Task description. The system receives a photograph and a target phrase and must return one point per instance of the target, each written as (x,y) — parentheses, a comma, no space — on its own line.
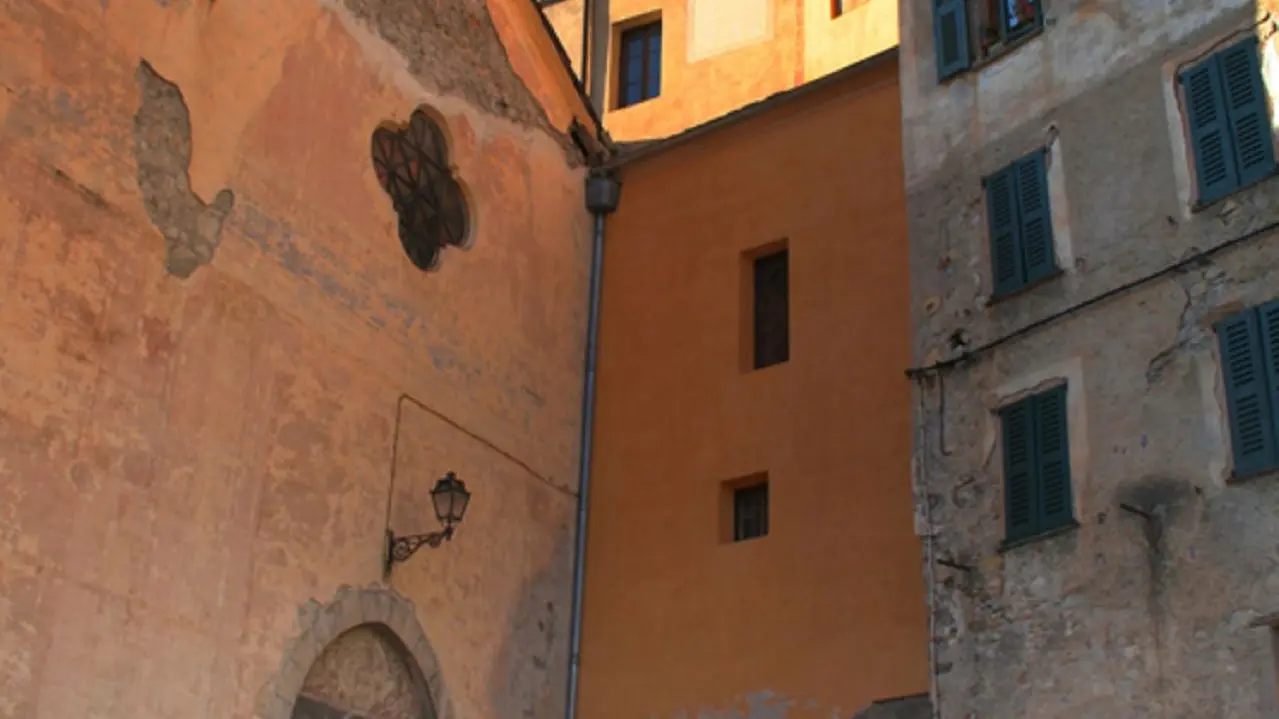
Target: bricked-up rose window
(412,166)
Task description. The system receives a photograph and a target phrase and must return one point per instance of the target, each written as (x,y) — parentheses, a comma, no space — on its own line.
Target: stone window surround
(1270,622)
(1177,117)
(1070,372)
(1058,210)
(352,607)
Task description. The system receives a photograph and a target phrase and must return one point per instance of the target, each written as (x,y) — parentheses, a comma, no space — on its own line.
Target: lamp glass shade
(450,498)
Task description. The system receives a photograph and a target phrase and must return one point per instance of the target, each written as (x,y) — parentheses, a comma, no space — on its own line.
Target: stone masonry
(1147,607)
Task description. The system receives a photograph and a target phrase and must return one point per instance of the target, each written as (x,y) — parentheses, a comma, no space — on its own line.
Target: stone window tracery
(412,165)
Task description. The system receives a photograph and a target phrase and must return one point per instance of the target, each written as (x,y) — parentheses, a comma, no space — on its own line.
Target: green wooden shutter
(950,32)
(1248,401)
(1245,97)
(1209,131)
(1052,457)
(1268,323)
(1005,242)
(1019,471)
(1035,218)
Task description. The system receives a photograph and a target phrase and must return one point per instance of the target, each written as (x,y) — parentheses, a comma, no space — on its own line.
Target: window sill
(1001,53)
(999,299)
(1244,477)
(1007,545)
(1197,206)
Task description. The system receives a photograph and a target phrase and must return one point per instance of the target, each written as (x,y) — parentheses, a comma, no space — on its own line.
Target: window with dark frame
(771,309)
(968,32)
(1020,224)
(1229,122)
(1249,344)
(1037,491)
(750,512)
(639,66)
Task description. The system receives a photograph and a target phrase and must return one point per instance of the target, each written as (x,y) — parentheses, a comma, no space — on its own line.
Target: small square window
(750,512)
(968,32)
(639,64)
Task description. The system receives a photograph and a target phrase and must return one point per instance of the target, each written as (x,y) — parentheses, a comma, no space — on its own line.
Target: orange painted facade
(720,55)
(826,613)
(193,467)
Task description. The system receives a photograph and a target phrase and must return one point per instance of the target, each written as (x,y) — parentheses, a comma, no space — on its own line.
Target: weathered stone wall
(1125,616)
(206,326)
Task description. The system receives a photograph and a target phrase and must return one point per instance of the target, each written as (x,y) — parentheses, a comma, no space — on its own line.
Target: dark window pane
(750,512)
(639,73)
(772,310)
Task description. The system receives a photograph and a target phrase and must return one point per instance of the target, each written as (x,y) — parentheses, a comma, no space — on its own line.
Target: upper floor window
(1021,233)
(639,66)
(1250,370)
(837,7)
(771,309)
(1037,493)
(968,32)
(1228,120)
(750,512)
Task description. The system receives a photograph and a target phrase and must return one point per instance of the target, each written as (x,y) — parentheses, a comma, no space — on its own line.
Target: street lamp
(450,498)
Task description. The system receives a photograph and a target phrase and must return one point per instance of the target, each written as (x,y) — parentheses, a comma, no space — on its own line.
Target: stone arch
(387,616)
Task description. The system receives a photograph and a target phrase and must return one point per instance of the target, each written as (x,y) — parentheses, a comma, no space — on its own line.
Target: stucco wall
(1125,616)
(186,460)
(680,622)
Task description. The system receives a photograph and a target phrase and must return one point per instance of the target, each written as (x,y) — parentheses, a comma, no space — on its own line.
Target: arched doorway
(366,673)
(363,655)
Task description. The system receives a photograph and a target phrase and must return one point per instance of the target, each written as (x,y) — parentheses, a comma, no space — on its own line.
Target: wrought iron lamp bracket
(399,549)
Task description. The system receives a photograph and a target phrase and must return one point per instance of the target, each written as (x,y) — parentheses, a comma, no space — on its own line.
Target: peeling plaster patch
(162,143)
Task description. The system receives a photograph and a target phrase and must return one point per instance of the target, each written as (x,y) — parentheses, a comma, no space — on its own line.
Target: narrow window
(971,31)
(1021,234)
(772,310)
(1229,123)
(837,7)
(1037,492)
(1250,371)
(750,512)
(639,71)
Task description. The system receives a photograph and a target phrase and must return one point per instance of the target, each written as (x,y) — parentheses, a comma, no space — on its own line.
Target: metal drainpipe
(602,194)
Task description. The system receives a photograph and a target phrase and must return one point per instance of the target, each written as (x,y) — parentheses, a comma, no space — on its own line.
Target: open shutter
(1035,217)
(1268,323)
(950,30)
(1005,244)
(1052,457)
(1209,131)
(1245,98)
(1019,471)
(1247,397)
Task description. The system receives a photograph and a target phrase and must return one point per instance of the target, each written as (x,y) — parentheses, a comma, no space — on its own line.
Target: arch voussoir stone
(377,607)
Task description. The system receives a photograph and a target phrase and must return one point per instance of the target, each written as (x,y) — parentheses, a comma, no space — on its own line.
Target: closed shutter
(950,30)
(1035,218)
(1247,396)
(1245,99)
(1209,131)
(1019,471)
(1052,456)
(1005,243)
(1268,323)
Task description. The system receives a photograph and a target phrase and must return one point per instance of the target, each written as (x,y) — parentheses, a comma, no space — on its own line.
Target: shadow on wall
(532,682)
